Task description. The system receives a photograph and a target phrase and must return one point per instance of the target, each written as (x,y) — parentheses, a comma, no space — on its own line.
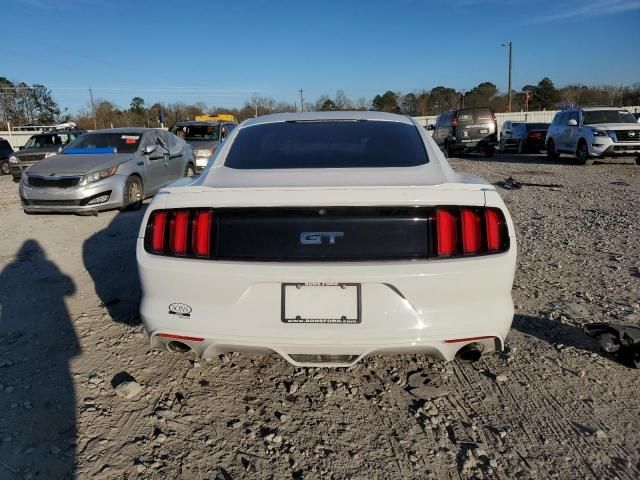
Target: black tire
(5,168)
(133,193)
(449,151)
(520,147)
(189,170)
(489,151)
(582,153)
(552,154)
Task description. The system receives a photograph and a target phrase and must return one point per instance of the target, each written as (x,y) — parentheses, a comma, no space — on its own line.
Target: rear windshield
(537,126)
(198,132)
(327,144)
(607,116)
(118,142)
(52,140)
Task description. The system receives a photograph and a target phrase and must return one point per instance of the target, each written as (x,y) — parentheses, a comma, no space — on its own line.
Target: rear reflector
(469,339)
(180,337)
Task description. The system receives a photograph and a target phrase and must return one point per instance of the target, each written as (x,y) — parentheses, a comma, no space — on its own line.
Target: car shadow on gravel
(555,332)
(109,256)
(37,343)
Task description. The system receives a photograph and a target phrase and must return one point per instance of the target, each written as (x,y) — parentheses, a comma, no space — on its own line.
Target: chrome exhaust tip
(470,353)
(178,347)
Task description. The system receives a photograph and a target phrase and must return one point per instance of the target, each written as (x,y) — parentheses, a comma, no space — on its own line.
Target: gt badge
(180,309)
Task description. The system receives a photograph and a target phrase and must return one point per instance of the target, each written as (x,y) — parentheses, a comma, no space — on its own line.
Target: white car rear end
(325,264)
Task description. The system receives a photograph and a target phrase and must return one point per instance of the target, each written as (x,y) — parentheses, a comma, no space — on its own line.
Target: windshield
(607,116)
(198,132)
(118,142)
(39,141)
(327,144)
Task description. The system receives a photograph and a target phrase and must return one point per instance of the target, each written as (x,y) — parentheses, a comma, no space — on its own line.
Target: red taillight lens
(447,231)
(178,232)
(201,238)
(471,231)
(158,223)
(493,222)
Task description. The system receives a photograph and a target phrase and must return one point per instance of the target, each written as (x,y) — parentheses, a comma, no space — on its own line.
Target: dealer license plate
(321,303)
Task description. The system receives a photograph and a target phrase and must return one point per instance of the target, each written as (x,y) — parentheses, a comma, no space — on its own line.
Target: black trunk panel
(308,234)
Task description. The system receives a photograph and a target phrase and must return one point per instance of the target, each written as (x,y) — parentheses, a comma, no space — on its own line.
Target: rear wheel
(133,193)
(449,151)
(551,150)
(520,147)
(582,153)
(489,151)
(5,168)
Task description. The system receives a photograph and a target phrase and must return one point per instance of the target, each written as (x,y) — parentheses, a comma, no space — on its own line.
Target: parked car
(39,147)
(325,237)
(204,137)
(5,154)
(594,132)
(466,130)
(526,137)
(505,132)
(106,169)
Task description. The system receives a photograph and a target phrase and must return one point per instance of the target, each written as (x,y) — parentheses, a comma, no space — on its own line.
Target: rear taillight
(462,231)
(182,233)
(535,134)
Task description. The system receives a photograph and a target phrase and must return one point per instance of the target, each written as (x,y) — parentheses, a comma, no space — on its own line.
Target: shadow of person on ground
(37,342)
(110,258)
(555,332)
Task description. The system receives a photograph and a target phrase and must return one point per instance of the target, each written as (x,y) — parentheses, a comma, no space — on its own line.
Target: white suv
(594,132)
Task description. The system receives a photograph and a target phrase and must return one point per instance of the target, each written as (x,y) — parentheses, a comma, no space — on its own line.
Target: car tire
(489,151)
(520,147)
(190,170)
(5,168)
(582,153)
(552,154)
(133,193)
(449,153)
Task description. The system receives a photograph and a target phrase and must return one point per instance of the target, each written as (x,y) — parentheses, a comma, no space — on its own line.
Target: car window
(117,142)
(327,144)
(607,116)
(199,132)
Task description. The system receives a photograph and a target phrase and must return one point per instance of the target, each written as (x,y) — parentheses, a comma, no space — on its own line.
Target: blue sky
(220,52)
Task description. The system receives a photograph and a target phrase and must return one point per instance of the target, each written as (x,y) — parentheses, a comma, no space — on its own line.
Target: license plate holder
(321,303)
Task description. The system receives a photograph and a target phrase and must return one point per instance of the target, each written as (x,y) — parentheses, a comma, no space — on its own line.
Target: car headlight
(205,152)
(600,133)
(50,154)
(13,159)
(94,177)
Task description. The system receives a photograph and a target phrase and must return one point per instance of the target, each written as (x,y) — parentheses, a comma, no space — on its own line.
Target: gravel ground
(551,406)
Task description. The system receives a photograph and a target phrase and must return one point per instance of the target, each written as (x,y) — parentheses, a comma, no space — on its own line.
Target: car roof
(140,130)
(326,116)
(590,109)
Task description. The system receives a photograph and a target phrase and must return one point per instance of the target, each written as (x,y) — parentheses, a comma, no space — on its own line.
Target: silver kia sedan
(106,169)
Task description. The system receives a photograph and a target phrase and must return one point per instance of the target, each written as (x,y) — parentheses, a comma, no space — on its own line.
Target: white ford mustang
(325,237)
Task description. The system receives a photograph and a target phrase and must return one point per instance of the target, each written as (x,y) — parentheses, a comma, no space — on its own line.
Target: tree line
(22,104)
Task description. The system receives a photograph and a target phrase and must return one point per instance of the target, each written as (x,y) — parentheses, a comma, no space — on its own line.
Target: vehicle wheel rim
(5,168)
(134,192)
(190,172)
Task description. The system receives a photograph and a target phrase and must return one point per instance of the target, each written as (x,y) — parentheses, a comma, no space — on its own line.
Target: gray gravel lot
(551,406)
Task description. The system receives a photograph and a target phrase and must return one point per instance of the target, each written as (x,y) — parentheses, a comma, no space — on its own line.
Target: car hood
(615,126)
(203,144)
(31,151)
(77,164)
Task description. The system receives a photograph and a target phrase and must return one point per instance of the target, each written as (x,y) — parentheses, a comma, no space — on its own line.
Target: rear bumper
(75,199)
(407,307)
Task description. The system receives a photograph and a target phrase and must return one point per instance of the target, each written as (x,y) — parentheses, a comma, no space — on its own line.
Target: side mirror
(149,149)
(572,122)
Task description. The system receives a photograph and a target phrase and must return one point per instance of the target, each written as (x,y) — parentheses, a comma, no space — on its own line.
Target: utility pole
(93,109)
(301,101)
(509,45)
